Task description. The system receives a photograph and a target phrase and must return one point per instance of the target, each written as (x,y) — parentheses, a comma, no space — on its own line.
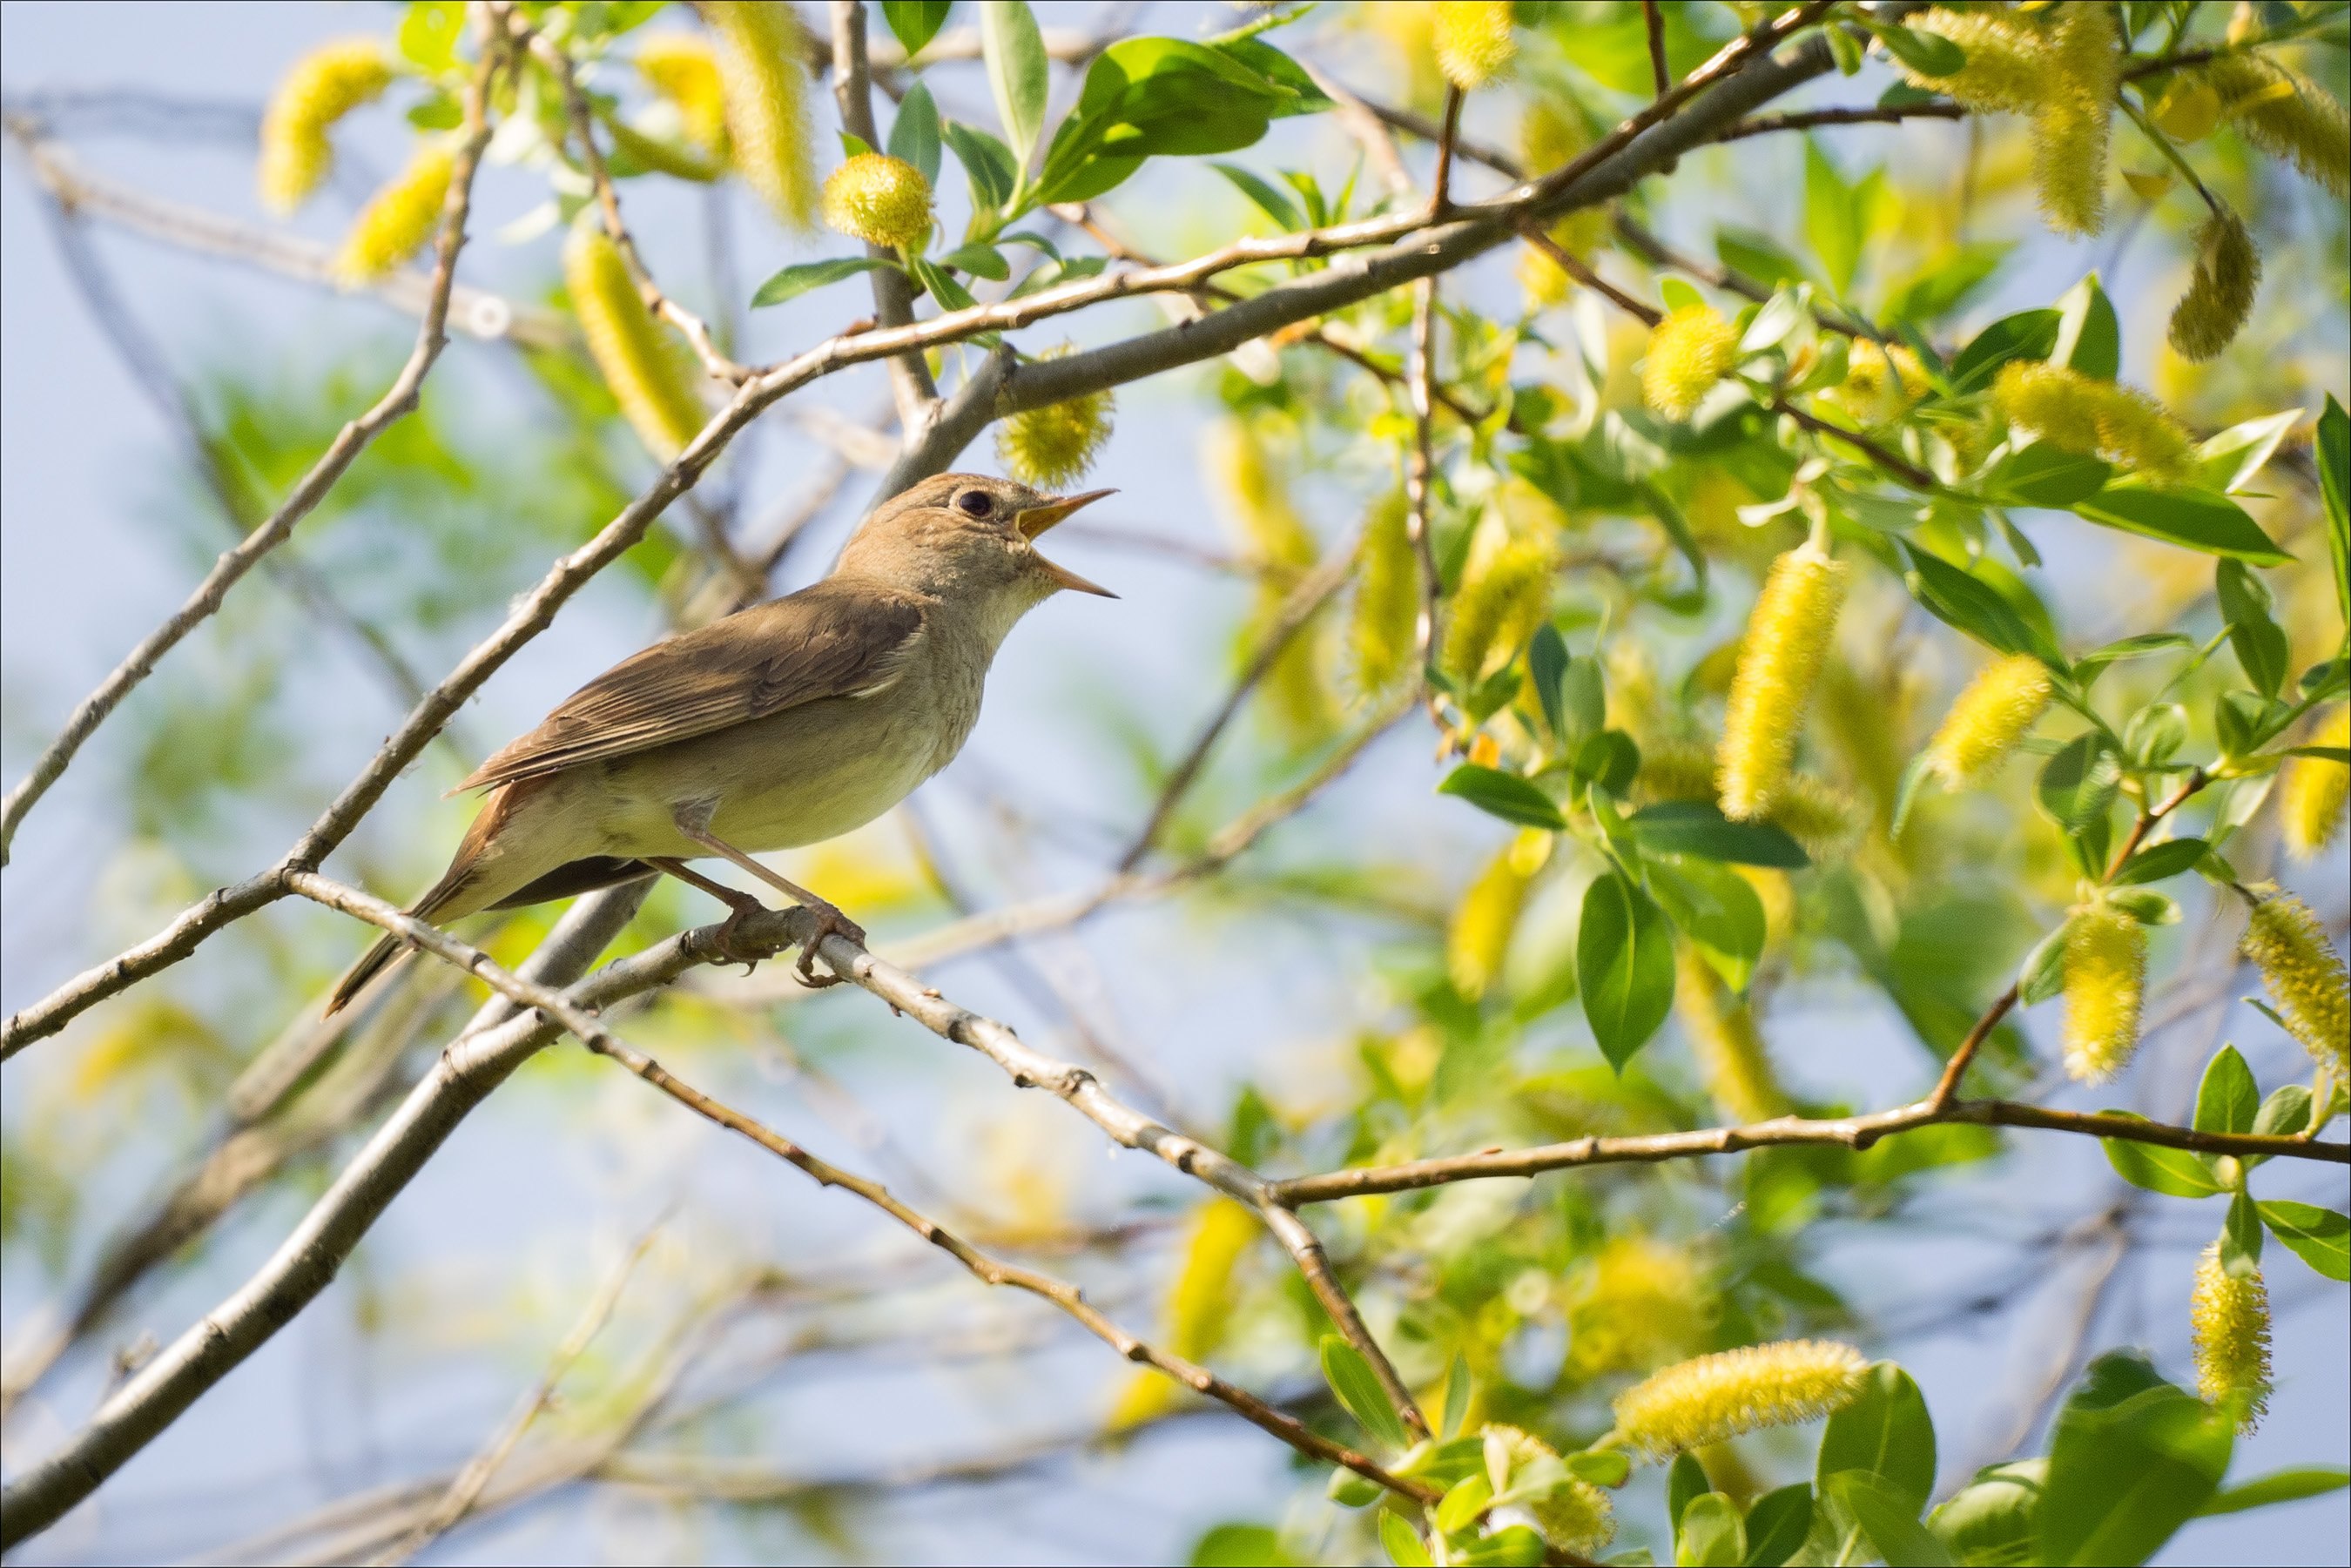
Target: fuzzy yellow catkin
(2105,981)
(1788,637)
(1551,134)
(397,219)
(2076,412)
(763,71)
(878,199)
(2310,790)
(1998,709)
(1298,696)
(1050,447)
(1574,1517)
(1478,936)
(2229,1316)
(2074,126)
(1689,349)
(1473,42)
(1639,1303)
(2008,60)
(2220,292)
(2284,114)
(1716,1397)
(683,71)
(2303,975)
(639,359)
(1199,1306)
(323,86)
(1732,1059)
(1386,609)
(1880,384)
(1503,595)
(1815,813)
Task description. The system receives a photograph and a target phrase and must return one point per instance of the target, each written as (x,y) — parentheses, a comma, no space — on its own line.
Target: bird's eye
(975,502)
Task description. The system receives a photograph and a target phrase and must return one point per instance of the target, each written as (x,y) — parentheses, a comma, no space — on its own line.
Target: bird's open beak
(1035,521)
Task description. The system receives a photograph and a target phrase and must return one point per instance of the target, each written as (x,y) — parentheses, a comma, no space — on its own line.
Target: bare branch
(1809,119)
(1653,17)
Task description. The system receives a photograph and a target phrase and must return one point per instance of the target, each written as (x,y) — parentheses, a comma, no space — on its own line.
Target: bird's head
(970,539)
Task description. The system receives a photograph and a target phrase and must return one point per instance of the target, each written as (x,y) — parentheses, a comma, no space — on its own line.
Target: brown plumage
(783,725)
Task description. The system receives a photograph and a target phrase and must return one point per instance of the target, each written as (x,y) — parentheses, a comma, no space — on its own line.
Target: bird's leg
(828,917)
(741,904)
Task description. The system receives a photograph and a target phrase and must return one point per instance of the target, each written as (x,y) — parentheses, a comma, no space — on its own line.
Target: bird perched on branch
(783,725)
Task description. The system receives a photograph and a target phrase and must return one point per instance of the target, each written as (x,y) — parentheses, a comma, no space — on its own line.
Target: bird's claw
(830,922)
(733,947)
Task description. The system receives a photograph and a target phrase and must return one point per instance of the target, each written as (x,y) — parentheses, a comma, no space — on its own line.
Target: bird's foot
(736,947)
(830,922)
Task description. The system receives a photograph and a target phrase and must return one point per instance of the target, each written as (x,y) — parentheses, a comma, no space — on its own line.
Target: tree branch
(893,300)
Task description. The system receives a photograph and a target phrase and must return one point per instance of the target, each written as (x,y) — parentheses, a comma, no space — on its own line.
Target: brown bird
(783,725)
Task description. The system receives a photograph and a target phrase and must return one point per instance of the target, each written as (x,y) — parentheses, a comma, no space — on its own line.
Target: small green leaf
(1602,1468)
(2089,339)
(2257,638)
(1685,1481)
(1547,663)
(2228,1099)
(2157,862)
(1884,1434)
(1017,72)
(1244,1546)
(1990,1520)
(2080,782)
(2196,520)
(979,260)
(2240,1238)
(2043,974)
(1712,1533)
(1757,255)
(2278,1486)
(915,22)
(2146,905)
(2128,1469)
(1834,221)
(1503,795)
(1264,196)
(1465,1500)
(2173,1172)
(1699,828)
(988,165)
(1405,1547)
(1929,54)
(1777,1525)
(1349,1489)
(2027,334)
(2043,476)
(1457,1396)
(1624,965)
(1889,1519)
(915,134)
(2319,1237)
(1717,909)
(2332,448)
(1350,1376)
(2285,1113)
(2087,667)
(1976,607)
(2229,461)
(800,277)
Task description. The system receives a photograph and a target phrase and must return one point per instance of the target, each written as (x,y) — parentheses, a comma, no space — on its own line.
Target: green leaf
(2157,862)
(2080,782)
(1963,599)
(2125,1474)
(1503,795)
(2198,519)
(1885,1434)
(1148,97)
(1716,908)
(1777,1525)
(1889,1519)
(2229,461)
(1349,1489)
(1513,1546)
(1949,281)
(1405,1547)
(2228,1099)
(1273,203)
(1247,1546)
(2278,1486)
(1457,1396)
(979,260)
(2240,1238)
(2259,640)
(2175,1173)
(951,294)
(1296,89)
(1547,663)
(1990,1520)
(1929,54)
(1602,1468)
(2041,475)
(1350,1376)
(1833,218)
(1017,73)
(1712,1534)
(1609,761)
(2043,975)
(2027,334)
(2332,448)
(915,134)
(1758,256)
(2087,668)
(2089,339)
(915,22)
(1699,828)
(2285,1113)
(2319,1237)
(797,280)
(1624,965)
(988,166)
(1464,1500)
(429,33)
(1685,1481)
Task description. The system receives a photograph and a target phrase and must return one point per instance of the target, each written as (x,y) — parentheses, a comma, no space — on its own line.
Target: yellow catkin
(2230,1315)
(2304,976)
(1298,694)
(1787,639)
(1479,932)
(2311,791)
(1675,770)
(1776,891)
(2105,981)
(2007,63)
(642,362)
(1473,42)
(1716,1397)
(2074,126)
(1551,134)
(322,86)
(1503,595)
(1640,1303)
(1690,351)
(2286,115)
(1575,1516)
(397,219)
(1879,384)
(2220,292)
(878,199)
(1731,1056)
(1998,708)
(1386,608)
(1815,813)
(1199,1306)
(2076,412)
(1053,445)
(763,70)
(683,71)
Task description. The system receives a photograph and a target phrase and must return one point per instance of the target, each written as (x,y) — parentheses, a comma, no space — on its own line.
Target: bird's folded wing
(832,639)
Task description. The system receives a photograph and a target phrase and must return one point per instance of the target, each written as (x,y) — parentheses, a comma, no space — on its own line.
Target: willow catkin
(2106,982)
(1473,42)
(1717,1398)
(878,199)
(2079,413)
(1552,133)
(1639,1303)
(2221,290)
(2303,975)
(683,71)
(1256,496)
(1053,445)
(2007,64)
(1814,812)
(1732,1059)
(1573,1517)
(1503,595)
(2229,1315)
(322,86)
(1199,1306)
(1788,638)
(1880,384)
(642,362)
(1998,709)
(1385,613)
(399,219)
(2073,128)
(763,72)
(1478,937)
(2310,790)
(2284,114)
(1690,349)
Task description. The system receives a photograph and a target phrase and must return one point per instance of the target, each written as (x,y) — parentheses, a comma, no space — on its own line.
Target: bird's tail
(356,978)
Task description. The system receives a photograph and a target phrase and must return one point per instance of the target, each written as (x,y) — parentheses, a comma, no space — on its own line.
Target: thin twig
(1813,119)
(1420,476)
(893,301)
(1440,187)
(1653,17)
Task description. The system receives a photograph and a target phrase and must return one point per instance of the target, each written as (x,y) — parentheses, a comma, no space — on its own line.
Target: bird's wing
(829,640)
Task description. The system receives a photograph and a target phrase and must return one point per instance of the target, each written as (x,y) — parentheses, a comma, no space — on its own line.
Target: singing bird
(782,725)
